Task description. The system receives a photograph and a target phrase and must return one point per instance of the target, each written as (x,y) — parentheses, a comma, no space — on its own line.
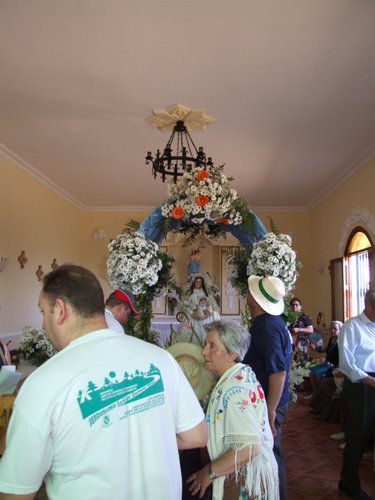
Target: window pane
(358,282)
(359,242)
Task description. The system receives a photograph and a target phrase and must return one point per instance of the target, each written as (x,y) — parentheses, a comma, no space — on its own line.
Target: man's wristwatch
(211,473)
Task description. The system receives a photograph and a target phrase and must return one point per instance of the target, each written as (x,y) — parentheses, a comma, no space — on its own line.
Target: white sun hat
(268,292)
(189,357)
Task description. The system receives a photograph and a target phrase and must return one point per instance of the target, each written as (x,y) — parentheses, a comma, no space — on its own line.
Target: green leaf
(274,228)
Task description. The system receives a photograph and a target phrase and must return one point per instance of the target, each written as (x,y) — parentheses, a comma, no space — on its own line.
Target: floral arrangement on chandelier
(36,346)
(136,263)
(204,196)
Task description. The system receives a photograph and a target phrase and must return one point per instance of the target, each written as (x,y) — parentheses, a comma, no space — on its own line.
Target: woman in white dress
(197,309)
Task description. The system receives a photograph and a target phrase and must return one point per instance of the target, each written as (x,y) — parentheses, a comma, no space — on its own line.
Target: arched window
(358,240)
(352,275)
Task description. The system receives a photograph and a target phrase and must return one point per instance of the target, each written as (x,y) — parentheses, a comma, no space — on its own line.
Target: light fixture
(180,150)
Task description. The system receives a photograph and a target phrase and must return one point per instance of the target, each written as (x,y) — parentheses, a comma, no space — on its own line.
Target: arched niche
(210,255)
(154,228)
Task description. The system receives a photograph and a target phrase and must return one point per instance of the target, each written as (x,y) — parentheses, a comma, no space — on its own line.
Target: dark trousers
(278,451)
(190,461)
(359,401)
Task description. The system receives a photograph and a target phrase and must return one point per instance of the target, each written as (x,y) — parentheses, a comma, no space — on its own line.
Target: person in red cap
(118,307)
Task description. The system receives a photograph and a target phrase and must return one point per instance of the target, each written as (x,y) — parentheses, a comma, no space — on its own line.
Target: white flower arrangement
(202,195)
(274,256)
(133,262)
(36,346)
(297,373)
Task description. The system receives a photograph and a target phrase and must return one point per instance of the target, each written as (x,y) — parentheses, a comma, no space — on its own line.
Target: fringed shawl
(237,418)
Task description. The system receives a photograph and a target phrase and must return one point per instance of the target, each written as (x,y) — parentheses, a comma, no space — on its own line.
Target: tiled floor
(313,460)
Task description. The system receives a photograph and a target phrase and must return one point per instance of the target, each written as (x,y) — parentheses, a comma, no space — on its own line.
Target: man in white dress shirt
(118,307)
(357,361)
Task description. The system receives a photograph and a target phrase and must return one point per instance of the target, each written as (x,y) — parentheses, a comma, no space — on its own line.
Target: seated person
(316,343)
(325,379)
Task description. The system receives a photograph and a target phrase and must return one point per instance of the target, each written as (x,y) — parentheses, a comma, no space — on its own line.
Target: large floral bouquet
(137,264)
(36,346)
(133,262)
(201,196)
(274,256)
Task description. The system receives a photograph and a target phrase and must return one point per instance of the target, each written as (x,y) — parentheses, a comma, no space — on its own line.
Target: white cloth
(237,417)
(100,419)
(112,322)
(357,347)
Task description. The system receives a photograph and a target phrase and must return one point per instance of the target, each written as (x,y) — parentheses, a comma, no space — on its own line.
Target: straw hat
(189,357)
(268,293)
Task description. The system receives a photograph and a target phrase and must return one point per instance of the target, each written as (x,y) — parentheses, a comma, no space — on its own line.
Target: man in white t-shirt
(118,307)
(105,417)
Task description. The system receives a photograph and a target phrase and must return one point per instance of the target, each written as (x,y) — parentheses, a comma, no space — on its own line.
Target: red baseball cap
(128,298)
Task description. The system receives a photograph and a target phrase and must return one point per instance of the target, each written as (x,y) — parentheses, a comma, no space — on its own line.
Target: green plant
(237,259)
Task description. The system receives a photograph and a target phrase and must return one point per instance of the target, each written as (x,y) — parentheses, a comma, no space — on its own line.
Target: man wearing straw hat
(269,355)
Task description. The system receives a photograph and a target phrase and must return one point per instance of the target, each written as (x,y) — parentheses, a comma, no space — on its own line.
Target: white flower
(273,256)
(220,197)
(133,262)
(36,346)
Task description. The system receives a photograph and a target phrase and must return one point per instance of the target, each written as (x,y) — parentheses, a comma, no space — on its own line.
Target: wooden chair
(6,407)
(5,354)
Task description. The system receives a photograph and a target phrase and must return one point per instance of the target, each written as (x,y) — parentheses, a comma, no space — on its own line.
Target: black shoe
(356,494)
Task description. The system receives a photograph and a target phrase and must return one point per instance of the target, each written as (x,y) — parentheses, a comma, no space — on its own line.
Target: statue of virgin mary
(197,309)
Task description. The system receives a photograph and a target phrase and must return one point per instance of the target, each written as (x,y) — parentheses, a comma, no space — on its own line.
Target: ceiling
(291,86)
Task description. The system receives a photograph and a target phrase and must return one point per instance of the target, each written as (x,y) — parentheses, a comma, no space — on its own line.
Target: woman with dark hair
(302,328)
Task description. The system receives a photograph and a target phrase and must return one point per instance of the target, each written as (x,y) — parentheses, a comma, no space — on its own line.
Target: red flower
(202,175)
(260,393)
(202,200)
(222,221)
(238,377)
(178,212)
(252,396)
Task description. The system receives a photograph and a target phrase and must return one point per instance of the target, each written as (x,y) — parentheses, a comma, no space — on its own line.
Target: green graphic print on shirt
(94,402)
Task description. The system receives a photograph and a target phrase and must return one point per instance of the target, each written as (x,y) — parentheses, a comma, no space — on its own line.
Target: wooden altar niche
(212,261)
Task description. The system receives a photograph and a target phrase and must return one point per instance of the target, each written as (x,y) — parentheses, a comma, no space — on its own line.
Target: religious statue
(193,263)
(197,309)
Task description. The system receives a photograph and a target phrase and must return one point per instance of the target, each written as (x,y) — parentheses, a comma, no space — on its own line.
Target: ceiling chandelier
(180,150)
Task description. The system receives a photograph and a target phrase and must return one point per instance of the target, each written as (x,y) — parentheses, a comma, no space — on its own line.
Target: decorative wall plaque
(40,273)
(22,259)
